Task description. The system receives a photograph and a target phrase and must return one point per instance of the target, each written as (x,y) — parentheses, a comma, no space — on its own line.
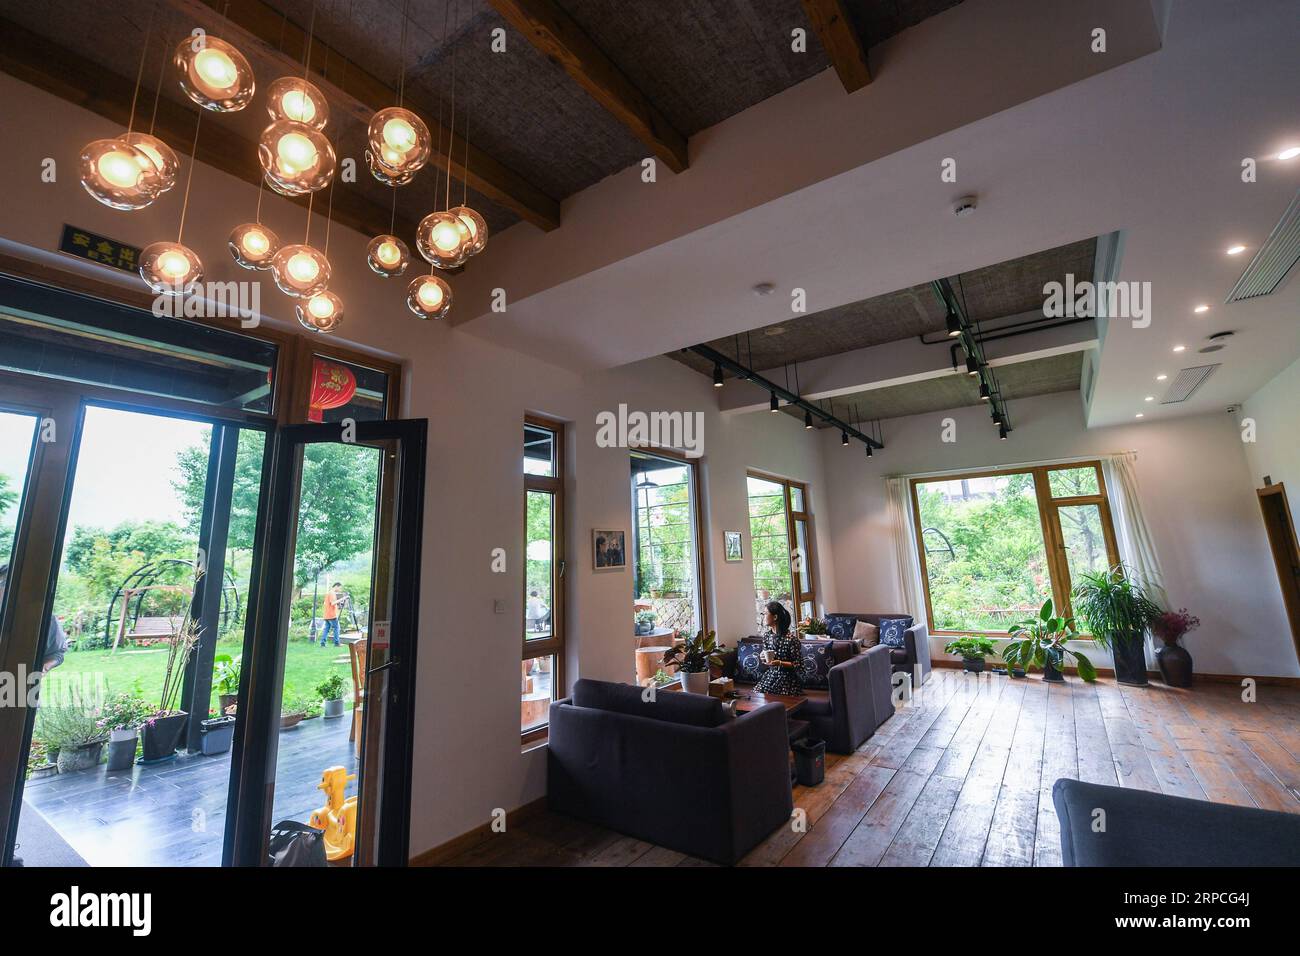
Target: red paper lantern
(331,386)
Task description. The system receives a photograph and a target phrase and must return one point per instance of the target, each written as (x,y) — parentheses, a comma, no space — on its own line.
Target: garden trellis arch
(148,574)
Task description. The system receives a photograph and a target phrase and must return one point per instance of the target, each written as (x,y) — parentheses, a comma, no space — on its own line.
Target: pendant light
(323,312)
(398,141)
(476,224)
(214,74)
(300,271)
(293,98)
(253,245)
(441,239)
(388,256)
(168,268)
(429,297)
(296,158)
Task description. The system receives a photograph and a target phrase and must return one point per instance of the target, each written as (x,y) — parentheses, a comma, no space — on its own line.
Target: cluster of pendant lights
(131,171)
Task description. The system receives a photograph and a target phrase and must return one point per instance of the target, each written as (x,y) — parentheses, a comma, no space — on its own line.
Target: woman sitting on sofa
(780,653)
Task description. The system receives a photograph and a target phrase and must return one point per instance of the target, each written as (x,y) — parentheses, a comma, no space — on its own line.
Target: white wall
(1196,493)
(1275,409)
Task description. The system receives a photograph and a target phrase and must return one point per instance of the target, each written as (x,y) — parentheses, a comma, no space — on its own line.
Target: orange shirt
(331,606)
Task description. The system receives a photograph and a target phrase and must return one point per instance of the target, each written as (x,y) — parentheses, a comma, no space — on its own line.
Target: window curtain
(909,562)
(1137,549)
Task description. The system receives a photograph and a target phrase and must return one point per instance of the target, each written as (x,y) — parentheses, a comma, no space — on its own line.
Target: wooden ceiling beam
(256,27)
(840,41)
(44,64)
(559,38)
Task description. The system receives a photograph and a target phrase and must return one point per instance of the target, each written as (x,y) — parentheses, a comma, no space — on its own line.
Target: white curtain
(1137,549)
(909,563)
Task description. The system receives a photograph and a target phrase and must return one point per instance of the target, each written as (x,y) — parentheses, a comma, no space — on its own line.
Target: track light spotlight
(844,438)
(774,404)
(954,324)
(807,420)
(972,366)
(717,375)
(1002,432)
(984,391)
(868,451)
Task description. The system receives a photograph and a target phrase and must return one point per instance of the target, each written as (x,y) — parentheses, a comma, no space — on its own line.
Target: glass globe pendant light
(323,312)
(214,74)
(442,239)
(398,145)
(161,157)
(293,98)
(429,297)
(169,267)
(296,158)
(300,270)
(253,245)
(477,226)
(119,175)
(388,256)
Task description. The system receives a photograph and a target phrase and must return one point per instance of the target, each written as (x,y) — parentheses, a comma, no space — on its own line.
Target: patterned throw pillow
(815,663)
(748,667)
(840,626)
(866,634)
(892,630)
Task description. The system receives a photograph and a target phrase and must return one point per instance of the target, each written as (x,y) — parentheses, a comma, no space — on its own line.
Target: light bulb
(161,157)
(323,312)
(253,245)
(442,239)
(429,297)
(119,175)
(399,144)
(387,256)
(477,226)
(214,74)
(293,98)
(300,271)
(169,267)
(296,158)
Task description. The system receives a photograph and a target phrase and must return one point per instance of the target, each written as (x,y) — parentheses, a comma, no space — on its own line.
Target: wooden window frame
(1058,569)
(552,646)
(792,517)
(693,466)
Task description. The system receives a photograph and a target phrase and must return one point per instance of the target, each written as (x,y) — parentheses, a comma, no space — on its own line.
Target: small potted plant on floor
(973,650)
(331,692)
(227,676)
(121,719)
(292,712)
(1041,641)
(161,732)
(692,658)
(645,622)
(73,730)
(1117,612)
(1173,659)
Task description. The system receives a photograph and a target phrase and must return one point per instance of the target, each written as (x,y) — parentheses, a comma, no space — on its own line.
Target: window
(781,546)
(543,623)
(995,545)
(668,594)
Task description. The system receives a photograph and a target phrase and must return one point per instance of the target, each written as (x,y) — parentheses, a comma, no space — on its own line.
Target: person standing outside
(335,599)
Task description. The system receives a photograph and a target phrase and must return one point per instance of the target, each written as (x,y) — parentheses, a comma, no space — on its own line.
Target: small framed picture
(608,550)
(731,546)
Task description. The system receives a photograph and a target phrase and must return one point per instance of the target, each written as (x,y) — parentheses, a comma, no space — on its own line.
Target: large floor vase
(1175,665)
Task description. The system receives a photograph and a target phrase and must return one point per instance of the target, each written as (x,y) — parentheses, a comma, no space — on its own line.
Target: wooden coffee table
(748,699)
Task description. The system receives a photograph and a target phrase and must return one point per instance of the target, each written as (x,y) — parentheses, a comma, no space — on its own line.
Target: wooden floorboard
(962,775)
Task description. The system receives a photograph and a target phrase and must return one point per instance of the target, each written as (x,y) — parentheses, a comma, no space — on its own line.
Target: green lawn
(305,666)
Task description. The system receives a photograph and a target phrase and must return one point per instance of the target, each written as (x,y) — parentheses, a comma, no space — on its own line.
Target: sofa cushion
(840,626)
(816,705)
(893,629)
(815,663)
(694,710)
(866,634)
(748,667)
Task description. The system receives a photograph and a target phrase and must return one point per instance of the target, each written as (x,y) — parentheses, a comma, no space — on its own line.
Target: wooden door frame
(1289,598)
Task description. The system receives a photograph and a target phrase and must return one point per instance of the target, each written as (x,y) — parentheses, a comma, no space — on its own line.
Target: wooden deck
(174,813)
(962,776)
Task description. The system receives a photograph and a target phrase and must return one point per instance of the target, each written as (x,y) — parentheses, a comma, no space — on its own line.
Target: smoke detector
(764,288)
(965,206)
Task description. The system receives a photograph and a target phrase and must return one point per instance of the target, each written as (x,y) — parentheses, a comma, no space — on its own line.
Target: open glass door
(328,740)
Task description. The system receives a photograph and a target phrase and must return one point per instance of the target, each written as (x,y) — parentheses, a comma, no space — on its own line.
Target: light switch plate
(499,606)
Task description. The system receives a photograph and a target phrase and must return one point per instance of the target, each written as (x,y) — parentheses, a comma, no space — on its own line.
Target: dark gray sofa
(675,771)
(916,639)
(1152,829)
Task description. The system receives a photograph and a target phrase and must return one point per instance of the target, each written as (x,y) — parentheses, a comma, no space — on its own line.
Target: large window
(543,624)
(781,543)
(667,588)
(995,545)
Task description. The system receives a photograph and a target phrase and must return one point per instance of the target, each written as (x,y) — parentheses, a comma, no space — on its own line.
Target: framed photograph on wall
(608,550)
(732,550)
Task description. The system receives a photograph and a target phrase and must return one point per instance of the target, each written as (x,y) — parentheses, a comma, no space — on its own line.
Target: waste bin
(809,762)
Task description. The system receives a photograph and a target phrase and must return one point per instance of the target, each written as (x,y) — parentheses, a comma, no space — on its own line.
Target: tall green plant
(1113,606)
(1041,641)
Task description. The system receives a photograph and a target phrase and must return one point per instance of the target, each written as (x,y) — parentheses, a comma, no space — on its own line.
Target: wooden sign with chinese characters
(107,252)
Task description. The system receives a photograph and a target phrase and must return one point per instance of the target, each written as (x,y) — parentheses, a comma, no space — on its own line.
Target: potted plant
(1173,659)
(331,692)
(1117,612)
(292,712)
(74,732)
(1041,641)
(813,627)
(161,732)
(121,719)
(645,622)
(692,658)
(973,650)
(227,674)
(216,734)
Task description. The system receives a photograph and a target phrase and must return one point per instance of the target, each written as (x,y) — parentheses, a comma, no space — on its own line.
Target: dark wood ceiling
(585,87)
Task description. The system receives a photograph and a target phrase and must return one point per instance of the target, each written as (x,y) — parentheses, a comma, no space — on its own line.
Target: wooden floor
(962,776)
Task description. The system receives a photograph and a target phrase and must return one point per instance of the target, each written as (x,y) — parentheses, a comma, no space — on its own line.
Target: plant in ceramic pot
(162,731)
(72,729)
(331,692)
(973,650)
(692,658)
(121,718)
(1173,659)
(1041,641)
(1117,612)
(813,627)
(645,622)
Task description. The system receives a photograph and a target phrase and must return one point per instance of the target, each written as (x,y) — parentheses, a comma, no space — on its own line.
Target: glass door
(328,680)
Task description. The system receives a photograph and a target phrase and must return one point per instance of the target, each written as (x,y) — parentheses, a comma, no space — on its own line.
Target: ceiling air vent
(1274,259)
(1188,381)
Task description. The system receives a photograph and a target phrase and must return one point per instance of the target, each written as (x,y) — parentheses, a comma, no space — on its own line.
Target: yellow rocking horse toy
(338,818)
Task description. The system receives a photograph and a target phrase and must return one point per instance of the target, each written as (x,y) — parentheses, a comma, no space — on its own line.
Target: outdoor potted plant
(692,658)
(121,719)
(161,732)
(331,692)
(292,712)
(645,622)
(973,650)
(1117,612)
(216,734)
(227,676)
(1041,641)
(1173,659)
(73,730)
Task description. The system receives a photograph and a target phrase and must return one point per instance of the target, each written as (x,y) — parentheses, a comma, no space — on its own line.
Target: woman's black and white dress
(781,680)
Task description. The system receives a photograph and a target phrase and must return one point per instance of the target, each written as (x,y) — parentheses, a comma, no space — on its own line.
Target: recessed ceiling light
(1161,378)
(1180,348)
(1201,308)
(1235,250)
(1139,415)
(1291,152)
(1149,398)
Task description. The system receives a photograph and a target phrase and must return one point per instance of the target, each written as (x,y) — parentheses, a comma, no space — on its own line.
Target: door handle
(382,667)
